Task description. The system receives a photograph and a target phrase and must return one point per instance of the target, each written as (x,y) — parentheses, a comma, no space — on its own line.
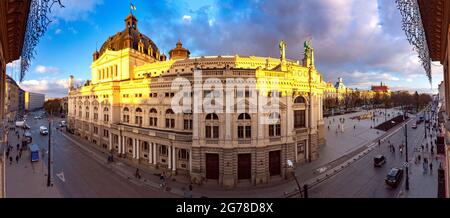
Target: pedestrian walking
(162,180)
(431,167)
(137,175)
(17,146)
(393,149)
(17,158)
(10,160)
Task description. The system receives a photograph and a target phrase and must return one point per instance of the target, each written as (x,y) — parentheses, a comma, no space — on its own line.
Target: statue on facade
(282,46)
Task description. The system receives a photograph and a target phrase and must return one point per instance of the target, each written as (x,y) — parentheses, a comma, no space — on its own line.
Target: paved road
(362,179)
(83,175)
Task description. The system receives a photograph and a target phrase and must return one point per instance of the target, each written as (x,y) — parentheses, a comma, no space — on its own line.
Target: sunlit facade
(126,108)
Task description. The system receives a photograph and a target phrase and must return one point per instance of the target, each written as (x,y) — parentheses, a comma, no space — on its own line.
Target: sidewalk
(422,184)
(26,179)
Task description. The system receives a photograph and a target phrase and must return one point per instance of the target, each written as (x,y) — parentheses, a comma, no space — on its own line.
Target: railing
(244,141)
(212,141)
(275,139)
(301,130)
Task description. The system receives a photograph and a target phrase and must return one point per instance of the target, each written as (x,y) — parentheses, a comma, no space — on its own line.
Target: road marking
(61,176)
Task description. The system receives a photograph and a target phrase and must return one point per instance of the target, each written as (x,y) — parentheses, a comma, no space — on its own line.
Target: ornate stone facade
(127,108)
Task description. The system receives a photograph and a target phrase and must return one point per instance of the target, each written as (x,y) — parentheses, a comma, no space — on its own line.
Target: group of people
(10,149)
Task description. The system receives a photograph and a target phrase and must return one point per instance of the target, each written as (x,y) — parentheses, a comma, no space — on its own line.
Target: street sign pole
(49,153)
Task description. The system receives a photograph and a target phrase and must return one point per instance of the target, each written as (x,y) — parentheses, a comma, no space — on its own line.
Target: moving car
(414,126)
(34,149)
(394,177)
(379,160)
(43,130)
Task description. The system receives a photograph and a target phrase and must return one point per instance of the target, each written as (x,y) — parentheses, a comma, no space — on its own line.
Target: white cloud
(48,86)
(187,18)
(46,69)
(58,31)
(75,9)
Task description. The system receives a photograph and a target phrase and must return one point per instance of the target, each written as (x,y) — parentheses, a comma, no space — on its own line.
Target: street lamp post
(406,156)
(291,165)
(49,153)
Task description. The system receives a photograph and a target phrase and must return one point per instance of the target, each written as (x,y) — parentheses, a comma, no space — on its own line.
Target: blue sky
(359,40)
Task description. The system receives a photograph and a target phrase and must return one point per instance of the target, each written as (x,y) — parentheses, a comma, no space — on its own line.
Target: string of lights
(37,24)
(413,27)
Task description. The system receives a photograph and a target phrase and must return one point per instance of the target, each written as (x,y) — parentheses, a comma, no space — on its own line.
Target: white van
(43,130)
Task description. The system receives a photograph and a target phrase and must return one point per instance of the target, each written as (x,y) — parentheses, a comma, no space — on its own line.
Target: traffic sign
(406,164)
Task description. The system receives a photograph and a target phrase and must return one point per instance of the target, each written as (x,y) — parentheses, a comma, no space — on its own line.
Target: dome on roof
(179,52)
(130,37)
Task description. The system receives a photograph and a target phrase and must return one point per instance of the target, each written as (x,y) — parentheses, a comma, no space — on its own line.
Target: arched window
(212,126)
(275,126)
(187,121)
(126,116)
(170,119)
(169,111)
(138,117)
(212,117)
(244,116)
(87,112)
(105,114)
(299,100)
(153,120)
(95,113)
(244,126)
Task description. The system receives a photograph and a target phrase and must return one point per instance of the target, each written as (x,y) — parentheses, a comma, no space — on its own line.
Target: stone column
(150,151)
(174,159)
(170,157)
(110,141)
(138,148)
(154,152)
(190,161)
(120,144)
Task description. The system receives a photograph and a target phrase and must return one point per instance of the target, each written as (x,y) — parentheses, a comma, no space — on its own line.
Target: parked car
(379,160)
(43,130)
(414,126)
(394,177)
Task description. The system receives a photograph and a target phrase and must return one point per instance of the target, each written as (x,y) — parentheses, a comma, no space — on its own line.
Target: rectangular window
(95,130)
(153,121)
(106,117)
(275,130)
(138,120)
(170,123)
(182,154)
(87,115)
(167,95)
(208,132)
(187,124)
(299,119)
(248,131)
(216,132)
(240,132)
(95,116)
